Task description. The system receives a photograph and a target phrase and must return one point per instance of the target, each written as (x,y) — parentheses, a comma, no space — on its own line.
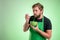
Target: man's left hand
(34,28)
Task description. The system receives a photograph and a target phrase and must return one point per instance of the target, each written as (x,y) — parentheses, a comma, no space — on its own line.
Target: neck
(41,16)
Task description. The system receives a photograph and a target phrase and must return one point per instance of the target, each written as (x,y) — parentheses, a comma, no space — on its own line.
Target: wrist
(27,22)
(37,30)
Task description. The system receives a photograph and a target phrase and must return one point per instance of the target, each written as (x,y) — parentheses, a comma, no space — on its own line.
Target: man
(43,29)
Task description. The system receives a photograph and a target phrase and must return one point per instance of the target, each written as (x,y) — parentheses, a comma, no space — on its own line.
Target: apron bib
(34,35)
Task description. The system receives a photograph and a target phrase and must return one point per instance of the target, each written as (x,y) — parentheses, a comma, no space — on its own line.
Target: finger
(32,26)
(27,16)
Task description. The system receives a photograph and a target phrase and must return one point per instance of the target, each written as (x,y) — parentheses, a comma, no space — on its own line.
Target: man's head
(37,9)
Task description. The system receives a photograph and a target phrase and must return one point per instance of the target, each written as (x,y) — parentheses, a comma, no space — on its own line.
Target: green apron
(34,35)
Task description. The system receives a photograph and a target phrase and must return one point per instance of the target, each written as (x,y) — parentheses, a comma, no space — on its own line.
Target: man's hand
(27,17)
(34,28)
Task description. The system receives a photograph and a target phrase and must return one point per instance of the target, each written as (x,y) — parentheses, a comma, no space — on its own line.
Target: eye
(35,10)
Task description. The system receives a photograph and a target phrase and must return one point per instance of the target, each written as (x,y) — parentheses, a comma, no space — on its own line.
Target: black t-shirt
(47,22)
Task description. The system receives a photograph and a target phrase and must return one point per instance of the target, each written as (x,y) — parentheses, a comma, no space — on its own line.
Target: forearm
(46,35)
(26,26)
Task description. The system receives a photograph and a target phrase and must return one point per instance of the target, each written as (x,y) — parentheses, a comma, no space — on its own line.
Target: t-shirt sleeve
(48,25)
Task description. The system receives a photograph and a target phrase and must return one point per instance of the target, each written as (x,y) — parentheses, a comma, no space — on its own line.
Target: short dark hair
(40,6)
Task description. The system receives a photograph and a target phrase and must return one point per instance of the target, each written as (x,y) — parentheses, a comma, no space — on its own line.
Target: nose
(34,12)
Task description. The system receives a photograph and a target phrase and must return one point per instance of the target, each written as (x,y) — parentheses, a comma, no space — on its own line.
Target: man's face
(36,12)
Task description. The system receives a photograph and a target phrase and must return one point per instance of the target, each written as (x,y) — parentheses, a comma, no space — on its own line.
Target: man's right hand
(27,17)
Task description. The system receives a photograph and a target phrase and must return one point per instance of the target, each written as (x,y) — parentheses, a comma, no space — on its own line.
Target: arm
(46,34)
(26,25)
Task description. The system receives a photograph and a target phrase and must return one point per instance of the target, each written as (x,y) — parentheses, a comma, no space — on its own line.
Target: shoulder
(31,18)
(46,19)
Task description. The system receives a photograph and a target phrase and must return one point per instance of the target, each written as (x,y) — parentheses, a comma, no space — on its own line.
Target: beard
(37,16)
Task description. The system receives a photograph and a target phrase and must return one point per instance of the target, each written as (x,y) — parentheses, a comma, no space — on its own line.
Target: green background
(13,13)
